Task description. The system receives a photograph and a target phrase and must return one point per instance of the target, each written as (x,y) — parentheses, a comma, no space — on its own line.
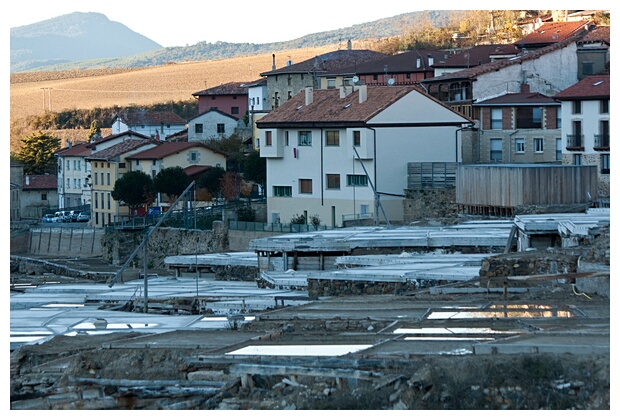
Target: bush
(246,214)
(298,219)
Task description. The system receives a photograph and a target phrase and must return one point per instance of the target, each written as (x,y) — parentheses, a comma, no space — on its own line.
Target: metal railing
(574,141)
(601,141)
(274,227)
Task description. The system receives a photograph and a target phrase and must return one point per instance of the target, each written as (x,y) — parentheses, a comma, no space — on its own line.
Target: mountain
(90,40)
(74,37)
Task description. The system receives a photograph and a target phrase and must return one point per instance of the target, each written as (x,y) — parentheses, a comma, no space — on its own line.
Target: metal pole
(146,283)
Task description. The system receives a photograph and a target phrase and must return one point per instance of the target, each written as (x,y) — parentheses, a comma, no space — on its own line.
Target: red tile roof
(600,34)
(499,64)
(328,107)
(232,88)
(330,62)
(144,117)
(480,54)
(591,87)
(520,99)
(86,149)
(121,148)
(552,32)
(40,182)
(196,170)
(406,62)
(168,149)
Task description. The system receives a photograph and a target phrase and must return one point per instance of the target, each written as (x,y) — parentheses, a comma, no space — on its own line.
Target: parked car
(47,218)
(73,215)
(83,217)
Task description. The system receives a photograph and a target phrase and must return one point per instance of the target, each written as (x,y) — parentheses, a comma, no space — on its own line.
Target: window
(96,200)
(305,186)
(558,117)
(331,83)
(333,181)
(496,118)
(221,129)
(198,128)
(96,179)
(43,196)
(234,110)
(604,106)
(121,165)
(108,174)
(364,210)
(332,138)
(109,202)
(558,149)
(357,138)
(305,138)
(286,138)
(357,180)
(519,145)
(268,140)
(529,117)
(605,163)
(282,191)
(193,156)
(576,107)
(496,150)
(587,68)
(539,145)
(577,159)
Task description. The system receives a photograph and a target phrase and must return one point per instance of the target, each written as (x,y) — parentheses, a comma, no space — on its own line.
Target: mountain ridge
(30,53)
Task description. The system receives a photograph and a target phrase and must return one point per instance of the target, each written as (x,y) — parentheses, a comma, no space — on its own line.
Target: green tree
(37,153)
(255,168)
(135,189)
(171,181)
(212,181)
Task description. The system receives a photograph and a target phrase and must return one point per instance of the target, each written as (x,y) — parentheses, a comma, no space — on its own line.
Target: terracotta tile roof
(178,136)
(121,148)
(499,64)
(168,149)
(40,182)
(397,63)
(519,99)
(232,88)
(480,54)
(144,117)
(328,108)
(259,82)
(591,87)
(196,169)
(599,34)
(552,32)
(86,149)
(329,62)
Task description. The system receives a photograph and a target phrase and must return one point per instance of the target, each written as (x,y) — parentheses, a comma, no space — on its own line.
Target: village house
(38,195)
(288,81)
(339,154)
(230,98)
(472,57)
(107,166)
(194,155)
(586,128)
(214,124)
(74,171)
(154,124)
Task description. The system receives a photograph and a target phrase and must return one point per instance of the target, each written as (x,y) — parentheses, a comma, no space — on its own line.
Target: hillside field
(32,93)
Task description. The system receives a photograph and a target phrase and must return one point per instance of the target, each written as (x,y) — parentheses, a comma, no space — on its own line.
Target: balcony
(601,142)
(574,142)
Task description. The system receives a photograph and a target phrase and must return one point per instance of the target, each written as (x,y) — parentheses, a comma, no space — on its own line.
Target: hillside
(90,40)
(33,93)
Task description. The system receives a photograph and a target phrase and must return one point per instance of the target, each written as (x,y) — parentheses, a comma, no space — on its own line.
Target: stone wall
(319,288)
(423,205)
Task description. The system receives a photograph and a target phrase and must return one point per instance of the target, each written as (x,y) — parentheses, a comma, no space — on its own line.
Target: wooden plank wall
(508,186)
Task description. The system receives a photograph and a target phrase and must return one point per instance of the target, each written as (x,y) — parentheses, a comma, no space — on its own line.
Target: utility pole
(49,98)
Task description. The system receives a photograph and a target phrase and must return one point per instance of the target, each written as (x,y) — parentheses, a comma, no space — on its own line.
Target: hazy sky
(171,23)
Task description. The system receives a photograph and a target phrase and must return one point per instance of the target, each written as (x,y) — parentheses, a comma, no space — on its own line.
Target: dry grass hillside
(91,89)
(32,93)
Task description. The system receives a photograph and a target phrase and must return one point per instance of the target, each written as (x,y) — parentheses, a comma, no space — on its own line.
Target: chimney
(345,91)
(349,45)
(27,180)
(525,88)
(309,95)
(273,62)
(363,92)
